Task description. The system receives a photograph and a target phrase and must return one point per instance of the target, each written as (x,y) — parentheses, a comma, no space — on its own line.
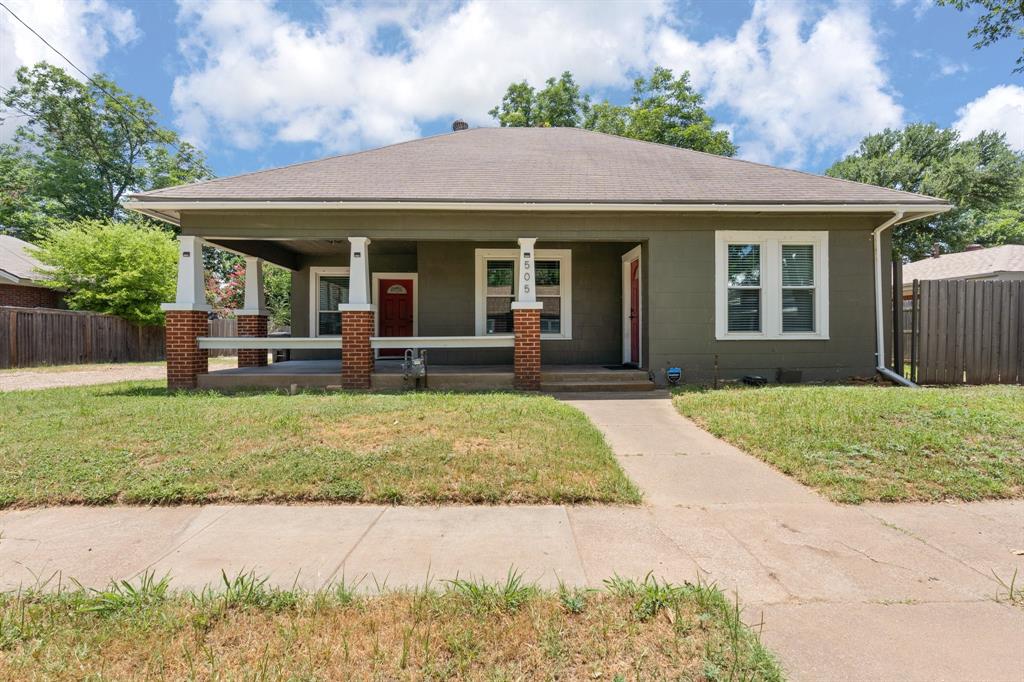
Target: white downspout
(880,306)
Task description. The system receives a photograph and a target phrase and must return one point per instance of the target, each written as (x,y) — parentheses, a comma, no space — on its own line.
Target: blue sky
(260,83)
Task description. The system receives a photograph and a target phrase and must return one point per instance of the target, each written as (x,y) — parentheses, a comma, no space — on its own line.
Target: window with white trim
(328,290)
(771,285)
(496,278)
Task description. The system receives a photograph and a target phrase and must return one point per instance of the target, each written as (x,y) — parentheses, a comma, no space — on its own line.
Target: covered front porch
(483,313)
(390,375)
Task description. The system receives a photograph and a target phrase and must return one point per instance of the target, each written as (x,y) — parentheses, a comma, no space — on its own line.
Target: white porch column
(526,321)
(186,319)
(359,275)
(357,320)
(255,298)
(191,294)
(526,291)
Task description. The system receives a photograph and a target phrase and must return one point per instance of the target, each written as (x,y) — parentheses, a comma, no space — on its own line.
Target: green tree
(277,288)
(83,146)
(123,268)
(662,109)
(20,213)
(978,176)
(1004,225)
(559,104)
(1001,19)
(666,110)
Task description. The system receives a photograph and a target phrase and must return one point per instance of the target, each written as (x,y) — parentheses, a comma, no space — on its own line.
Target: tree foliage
(662,109)
(123,268)
(227,294)
(980,176)
(81,147)
(277,288)
(1000,19)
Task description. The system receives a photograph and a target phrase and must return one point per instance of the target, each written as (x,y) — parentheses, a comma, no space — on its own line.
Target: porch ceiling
(286,252)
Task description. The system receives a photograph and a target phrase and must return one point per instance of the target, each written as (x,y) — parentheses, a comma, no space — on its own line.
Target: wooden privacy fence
(223,327)
(44,336)
(30,337)
(966,331)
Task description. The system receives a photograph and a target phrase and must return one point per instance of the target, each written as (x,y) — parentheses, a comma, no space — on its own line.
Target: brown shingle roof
(16,260)
(977,263)
(536,165)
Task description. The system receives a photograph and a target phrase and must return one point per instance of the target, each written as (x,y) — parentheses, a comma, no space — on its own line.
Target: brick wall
(356,354)
(252,325)
(527,349)
(28,297)
(185,360)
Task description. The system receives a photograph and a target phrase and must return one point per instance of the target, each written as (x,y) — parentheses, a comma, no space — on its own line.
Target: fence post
(13,339)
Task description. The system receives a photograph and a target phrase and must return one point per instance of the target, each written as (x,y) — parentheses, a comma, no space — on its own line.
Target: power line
(89,78)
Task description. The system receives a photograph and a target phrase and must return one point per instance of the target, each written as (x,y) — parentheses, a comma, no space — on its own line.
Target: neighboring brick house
(20,282)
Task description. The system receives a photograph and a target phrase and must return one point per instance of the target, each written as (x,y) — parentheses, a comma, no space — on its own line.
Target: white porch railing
(377,342)
(268,342)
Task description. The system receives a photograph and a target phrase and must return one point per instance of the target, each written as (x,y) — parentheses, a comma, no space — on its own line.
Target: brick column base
(185,359)
(356,354)
(252,326)
(527,348)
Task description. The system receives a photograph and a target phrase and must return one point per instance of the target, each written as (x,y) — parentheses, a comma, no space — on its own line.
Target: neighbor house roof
(967,264)
(534,165)
(16,264)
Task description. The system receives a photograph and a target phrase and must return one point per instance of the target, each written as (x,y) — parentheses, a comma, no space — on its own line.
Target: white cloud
(948,68)
(1001,108)
(84,30)
(800,86)
(259,74)
(794,84)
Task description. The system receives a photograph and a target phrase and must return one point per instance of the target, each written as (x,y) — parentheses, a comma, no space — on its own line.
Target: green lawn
(860,443)
(135,443)
(459,631)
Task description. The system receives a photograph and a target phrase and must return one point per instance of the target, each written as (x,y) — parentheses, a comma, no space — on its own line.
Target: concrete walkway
(871,592)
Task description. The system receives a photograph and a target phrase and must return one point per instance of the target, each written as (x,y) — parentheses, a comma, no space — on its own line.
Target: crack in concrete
(355,544)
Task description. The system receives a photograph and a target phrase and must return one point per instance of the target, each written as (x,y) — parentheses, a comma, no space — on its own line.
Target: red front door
(395,307)
(634,312)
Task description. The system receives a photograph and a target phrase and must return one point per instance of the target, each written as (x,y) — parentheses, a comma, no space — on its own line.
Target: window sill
(774,337)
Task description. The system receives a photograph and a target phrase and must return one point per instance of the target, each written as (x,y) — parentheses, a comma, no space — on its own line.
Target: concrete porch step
(591,386)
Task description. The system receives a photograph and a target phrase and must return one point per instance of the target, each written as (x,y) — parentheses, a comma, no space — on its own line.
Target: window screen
(744,297)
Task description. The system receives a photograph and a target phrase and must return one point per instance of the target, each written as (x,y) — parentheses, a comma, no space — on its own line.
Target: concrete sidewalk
(871,592)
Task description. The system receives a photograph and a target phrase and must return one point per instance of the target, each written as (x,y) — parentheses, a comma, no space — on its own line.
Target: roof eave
(170,210)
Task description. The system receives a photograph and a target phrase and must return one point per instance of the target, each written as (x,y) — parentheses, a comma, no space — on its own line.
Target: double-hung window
(328,289)
(497,272)
(771,285)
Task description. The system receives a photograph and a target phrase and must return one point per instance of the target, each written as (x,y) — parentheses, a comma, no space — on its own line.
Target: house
(1004,262)
(21,283)
(519,254)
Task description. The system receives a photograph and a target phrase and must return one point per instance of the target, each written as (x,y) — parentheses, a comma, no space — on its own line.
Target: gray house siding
(678,269)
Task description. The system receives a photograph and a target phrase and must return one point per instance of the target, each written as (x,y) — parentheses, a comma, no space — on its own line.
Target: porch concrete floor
(855,593)
(394,366)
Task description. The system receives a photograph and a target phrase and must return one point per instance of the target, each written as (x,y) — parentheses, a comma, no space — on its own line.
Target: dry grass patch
(859,443)
(465,631)
(134,443)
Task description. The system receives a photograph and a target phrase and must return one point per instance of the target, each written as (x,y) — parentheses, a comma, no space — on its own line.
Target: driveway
(87,375)
(871,592)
